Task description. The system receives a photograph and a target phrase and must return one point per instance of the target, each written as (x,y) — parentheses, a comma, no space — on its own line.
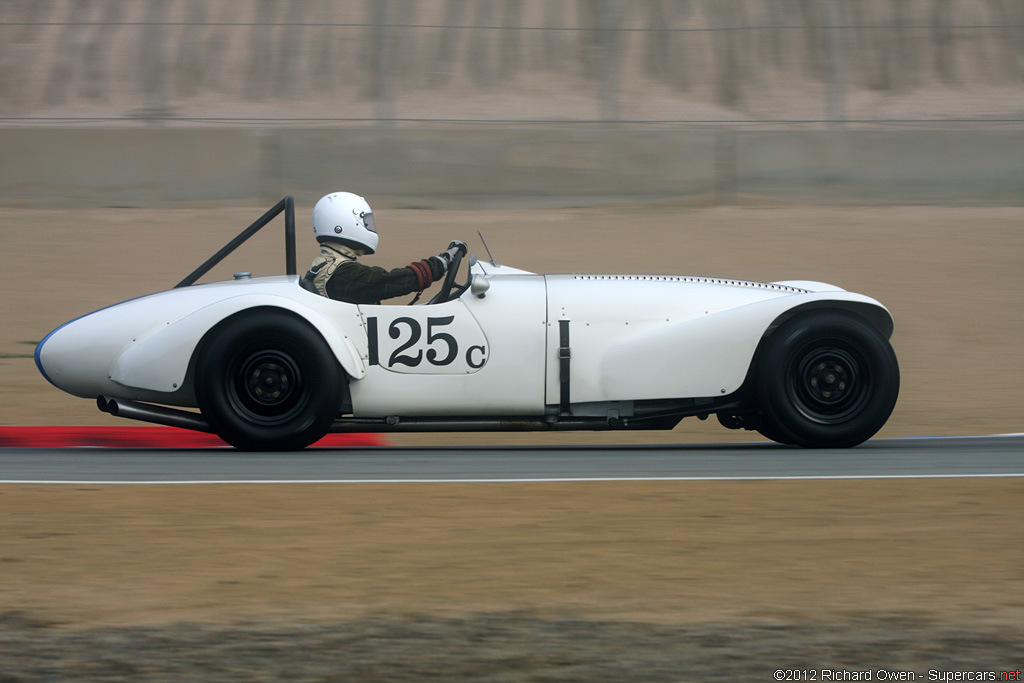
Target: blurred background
(511,100)
(874,144)
(697,62)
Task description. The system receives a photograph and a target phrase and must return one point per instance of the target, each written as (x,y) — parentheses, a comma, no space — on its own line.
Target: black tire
(773,433)
(267,381)
(827,379)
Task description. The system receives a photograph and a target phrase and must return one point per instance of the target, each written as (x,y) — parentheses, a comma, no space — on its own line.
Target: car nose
(76,357)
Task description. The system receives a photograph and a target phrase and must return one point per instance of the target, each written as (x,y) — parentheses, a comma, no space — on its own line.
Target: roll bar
(286,205)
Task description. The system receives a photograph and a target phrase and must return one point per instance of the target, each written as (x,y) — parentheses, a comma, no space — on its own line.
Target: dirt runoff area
(661,581)
(586,581)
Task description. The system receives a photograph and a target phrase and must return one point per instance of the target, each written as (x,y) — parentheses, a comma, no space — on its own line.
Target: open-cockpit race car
(267,364)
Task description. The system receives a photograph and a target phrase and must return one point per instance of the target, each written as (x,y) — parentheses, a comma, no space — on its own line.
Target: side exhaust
(146,412)
(478,424)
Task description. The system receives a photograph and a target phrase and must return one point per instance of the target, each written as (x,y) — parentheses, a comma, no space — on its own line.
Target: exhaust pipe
(469,424)
(146,412)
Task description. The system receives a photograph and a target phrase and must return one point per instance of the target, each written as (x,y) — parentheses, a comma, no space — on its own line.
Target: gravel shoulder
(555,581)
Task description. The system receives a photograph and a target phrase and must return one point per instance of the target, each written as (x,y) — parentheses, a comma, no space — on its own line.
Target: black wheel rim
(267,387)
(829,384)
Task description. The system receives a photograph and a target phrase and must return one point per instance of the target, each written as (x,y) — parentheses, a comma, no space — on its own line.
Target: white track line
(538,480)
(547,480)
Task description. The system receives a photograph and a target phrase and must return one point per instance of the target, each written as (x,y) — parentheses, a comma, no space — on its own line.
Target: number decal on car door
(438,352)
(444,337)
(395,332)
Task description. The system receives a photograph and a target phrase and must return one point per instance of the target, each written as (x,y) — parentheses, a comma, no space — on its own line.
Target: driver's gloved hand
(449,256)
(459,245)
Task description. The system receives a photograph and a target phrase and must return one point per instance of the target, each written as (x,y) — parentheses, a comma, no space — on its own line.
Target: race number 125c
(437,345)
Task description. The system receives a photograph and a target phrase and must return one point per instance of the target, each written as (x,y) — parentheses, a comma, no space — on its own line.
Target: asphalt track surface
(993,456)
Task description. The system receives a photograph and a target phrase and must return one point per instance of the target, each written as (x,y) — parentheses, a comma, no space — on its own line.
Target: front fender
(159,361)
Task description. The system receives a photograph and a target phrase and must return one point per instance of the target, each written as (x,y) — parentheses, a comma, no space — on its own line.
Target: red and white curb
(146,437)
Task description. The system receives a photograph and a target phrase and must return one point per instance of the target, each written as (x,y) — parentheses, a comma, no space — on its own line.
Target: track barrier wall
(473,167)
(511,102)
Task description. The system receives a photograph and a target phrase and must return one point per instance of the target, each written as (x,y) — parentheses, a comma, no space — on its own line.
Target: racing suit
(336,274)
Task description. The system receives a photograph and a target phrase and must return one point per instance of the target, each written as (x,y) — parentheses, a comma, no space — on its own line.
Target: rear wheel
(267,381)
(773,432)
(827,380)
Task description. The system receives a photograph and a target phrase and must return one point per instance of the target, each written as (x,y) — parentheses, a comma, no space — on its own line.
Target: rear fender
(711,356)
(160,360)
(868,309)
(872,311)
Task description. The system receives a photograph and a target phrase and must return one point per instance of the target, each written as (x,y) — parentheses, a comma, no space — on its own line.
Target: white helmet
(347,218)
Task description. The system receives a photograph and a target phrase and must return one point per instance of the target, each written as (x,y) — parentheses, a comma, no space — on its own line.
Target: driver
(344,227)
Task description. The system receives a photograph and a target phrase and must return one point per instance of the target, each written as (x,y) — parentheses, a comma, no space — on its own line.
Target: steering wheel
(449,281)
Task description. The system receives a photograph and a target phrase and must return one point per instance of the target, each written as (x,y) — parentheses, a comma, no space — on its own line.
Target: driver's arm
(357,283)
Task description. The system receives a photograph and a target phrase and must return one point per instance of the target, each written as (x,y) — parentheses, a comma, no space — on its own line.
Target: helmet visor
(368,221)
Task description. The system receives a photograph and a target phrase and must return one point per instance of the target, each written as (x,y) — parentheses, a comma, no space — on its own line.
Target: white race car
(272,366)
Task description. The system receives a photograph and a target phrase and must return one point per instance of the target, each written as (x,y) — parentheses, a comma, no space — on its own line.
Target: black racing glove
(448,256)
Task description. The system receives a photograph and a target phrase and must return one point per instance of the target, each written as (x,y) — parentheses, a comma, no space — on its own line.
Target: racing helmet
(346,218)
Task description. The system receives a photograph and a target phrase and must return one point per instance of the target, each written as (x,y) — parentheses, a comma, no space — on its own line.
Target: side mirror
(479,285)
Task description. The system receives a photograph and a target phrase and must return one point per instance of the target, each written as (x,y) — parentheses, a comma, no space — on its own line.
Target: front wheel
(267,381)
(827,380)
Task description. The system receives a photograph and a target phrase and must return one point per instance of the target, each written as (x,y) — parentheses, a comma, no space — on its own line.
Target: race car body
(272,365)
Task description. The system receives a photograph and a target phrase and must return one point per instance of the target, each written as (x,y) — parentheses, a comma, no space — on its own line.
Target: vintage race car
(272,366)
